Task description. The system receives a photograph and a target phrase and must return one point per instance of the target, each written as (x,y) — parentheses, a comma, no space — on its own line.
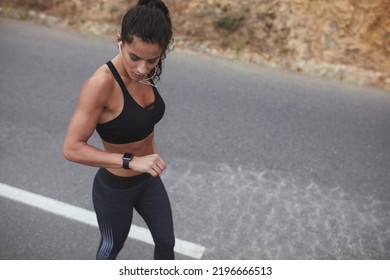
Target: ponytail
(157,4)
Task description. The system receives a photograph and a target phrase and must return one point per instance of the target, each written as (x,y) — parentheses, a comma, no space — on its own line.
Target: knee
(165,242)
(109,248)
(164,250)
(108,253)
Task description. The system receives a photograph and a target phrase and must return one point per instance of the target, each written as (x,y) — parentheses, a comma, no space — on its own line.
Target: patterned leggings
(114,199)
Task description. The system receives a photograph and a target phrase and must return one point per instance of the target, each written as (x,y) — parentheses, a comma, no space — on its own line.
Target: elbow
(67,156)
(69,153)
(74,151)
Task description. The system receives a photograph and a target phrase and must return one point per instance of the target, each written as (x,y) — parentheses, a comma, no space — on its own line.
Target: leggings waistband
(118,182)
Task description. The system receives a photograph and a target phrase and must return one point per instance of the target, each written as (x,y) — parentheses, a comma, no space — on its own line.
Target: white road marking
(88,217)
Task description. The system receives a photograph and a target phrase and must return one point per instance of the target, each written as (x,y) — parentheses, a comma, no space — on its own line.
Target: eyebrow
(157,57)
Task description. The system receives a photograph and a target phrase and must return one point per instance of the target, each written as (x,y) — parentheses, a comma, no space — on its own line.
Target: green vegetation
(230,22)
(224,43)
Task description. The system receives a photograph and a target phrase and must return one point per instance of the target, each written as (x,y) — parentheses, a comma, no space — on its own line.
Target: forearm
(85,154)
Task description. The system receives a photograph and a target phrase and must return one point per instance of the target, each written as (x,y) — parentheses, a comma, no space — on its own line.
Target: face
(139,58)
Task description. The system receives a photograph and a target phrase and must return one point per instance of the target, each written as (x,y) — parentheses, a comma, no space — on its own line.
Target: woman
(121,102)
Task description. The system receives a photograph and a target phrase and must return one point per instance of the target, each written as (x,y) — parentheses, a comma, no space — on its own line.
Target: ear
(119,41)
(118,38)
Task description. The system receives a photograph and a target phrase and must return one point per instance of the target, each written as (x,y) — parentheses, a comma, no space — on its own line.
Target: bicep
(82,124)
(89,108)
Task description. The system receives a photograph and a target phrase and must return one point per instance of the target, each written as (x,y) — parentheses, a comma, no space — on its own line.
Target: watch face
(127,156)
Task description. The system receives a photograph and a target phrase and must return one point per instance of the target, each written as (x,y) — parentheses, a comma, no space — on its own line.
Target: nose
(142,68)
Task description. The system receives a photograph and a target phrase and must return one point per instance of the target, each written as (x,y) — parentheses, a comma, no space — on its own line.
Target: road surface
(262,163)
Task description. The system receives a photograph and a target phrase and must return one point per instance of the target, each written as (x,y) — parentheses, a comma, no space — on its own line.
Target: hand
(152,164)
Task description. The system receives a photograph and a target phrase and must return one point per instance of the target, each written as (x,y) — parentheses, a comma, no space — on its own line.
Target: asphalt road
(262,164)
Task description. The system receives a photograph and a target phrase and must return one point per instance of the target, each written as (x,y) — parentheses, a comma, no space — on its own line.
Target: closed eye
(152,61)
(133,57)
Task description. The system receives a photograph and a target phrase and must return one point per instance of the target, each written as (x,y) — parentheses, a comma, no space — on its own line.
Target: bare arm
(91,103)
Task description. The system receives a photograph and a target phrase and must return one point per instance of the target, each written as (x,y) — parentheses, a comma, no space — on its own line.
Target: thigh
(114,219)
(154,207)
(114,211)
(111,202)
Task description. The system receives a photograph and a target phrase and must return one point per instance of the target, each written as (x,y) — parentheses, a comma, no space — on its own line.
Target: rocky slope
(342,39)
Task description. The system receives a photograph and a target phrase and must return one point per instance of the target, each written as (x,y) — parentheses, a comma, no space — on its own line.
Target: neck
(118,62)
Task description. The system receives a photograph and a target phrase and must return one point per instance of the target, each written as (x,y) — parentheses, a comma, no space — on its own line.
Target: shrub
(229,22)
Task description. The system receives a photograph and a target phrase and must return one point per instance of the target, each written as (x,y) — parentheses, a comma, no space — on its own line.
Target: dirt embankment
(339,39)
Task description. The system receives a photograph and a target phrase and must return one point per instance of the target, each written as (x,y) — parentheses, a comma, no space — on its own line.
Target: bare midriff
(140,148)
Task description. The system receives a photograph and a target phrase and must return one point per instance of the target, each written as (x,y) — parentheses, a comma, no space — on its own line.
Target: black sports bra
(135,122)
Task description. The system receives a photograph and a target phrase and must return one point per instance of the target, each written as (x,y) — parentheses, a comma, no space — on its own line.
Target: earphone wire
(146,81)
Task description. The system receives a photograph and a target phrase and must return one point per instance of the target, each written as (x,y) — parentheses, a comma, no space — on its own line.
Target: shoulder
(99,87)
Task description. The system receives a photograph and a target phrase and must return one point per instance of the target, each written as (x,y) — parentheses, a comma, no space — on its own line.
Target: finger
(156,169)
(161,164)
(153,172)
(160,160)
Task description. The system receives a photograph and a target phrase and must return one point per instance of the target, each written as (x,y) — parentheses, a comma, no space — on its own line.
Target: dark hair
(149,20)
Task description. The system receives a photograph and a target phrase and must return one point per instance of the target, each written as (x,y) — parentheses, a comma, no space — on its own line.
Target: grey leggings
(114,199)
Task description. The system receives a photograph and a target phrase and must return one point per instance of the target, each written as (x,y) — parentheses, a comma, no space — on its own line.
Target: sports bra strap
(117,77)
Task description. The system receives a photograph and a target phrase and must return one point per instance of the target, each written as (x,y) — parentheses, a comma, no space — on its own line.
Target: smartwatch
(127,157)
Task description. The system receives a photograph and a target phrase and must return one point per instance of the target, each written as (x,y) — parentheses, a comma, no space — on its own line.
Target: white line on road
(88,217)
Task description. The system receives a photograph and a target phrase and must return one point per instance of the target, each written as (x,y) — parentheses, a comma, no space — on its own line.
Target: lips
(139,77)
